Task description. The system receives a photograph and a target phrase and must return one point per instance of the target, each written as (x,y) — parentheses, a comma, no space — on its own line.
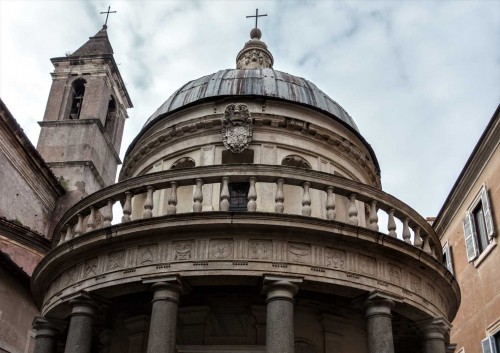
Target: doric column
(163,324)
(80,325)
(280,292)
(433,335)
(379,324)
(47,331)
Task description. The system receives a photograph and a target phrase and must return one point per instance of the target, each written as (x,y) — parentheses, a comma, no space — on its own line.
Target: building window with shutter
(491,344)
(478,227)
(447,259)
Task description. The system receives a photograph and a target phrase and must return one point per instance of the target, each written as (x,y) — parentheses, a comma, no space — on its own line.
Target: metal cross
(107,14)
(256,16)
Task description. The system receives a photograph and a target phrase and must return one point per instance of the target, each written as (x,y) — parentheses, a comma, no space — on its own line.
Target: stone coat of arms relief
(237,127)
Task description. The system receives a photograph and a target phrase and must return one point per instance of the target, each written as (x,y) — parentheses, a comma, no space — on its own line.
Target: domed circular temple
(250,206)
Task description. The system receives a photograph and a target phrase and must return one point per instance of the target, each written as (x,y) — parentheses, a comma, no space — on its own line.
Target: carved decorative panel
(367,265)
(298,252)
(260,249)
(115,260)
(335,258)
(147,254)
(183,250)
(90,268)
(394,274)
(221,248)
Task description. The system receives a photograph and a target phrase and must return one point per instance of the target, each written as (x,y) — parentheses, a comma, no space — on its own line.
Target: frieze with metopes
(319,262)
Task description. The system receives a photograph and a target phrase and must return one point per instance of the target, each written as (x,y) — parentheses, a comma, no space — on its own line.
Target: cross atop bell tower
(86,110)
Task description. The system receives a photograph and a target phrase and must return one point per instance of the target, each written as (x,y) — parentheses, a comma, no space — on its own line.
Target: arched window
(295,161)
(110,123)
(184,162)
(77,93)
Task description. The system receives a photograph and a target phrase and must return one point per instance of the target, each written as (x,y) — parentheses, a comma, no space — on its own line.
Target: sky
(421,79)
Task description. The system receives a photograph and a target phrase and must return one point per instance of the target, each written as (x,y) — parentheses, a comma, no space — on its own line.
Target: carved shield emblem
(237,128)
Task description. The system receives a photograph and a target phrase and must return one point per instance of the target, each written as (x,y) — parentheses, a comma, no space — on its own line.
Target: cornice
(91,59)
(97,122)
(89,164)
(481,155)
(24,235)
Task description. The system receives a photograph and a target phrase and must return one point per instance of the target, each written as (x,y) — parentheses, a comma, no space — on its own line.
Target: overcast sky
(420,78)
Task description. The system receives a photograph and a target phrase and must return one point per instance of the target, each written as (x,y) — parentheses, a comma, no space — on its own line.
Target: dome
(261,82)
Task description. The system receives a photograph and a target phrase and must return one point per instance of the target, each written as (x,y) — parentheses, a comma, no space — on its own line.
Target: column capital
(434,328)
(83,305)
(47,327)
(277,287)
(167,287)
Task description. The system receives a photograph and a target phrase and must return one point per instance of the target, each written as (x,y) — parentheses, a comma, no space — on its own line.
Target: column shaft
(280,325)
(379,325)
(47,332)
(433,346)
(433,335)
(80,327)
(45,345)
(163,326)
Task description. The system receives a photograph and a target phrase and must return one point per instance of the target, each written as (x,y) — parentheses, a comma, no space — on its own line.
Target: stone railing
(82,217)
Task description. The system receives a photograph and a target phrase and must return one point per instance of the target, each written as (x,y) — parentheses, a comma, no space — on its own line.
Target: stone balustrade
(81,218)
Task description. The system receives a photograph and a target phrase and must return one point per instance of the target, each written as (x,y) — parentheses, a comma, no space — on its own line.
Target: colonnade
(280,293)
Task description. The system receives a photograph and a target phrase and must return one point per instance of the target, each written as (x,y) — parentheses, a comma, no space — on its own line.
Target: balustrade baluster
(127,207)
(426,247)
(148,205)
(79,225)
(198,196)
(373,218)
(91,220)
(108,213)
(280,196)
(172,199)
(306,199)
(330,203)
(353,210)
(406,230)
(391,224)
(224,195)
(252,195)
(69,235)
(417,240)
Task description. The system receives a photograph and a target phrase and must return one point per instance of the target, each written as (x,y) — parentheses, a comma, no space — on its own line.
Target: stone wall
(16,314)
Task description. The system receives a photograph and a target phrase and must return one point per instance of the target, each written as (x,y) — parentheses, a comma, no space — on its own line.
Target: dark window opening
(296,161)
(229,157)
(479,220)
(182,163)
(109,125)
(238,196)
(77,91)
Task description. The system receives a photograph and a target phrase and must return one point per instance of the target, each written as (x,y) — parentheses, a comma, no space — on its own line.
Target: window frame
(471,236)
(447,256)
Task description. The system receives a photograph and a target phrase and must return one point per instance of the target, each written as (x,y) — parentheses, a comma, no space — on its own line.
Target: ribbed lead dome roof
(264,82)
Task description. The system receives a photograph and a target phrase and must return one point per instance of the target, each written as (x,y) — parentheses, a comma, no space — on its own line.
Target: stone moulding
(95,261)
(152,143)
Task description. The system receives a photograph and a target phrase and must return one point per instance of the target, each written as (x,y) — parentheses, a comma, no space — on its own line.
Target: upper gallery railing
(81,218)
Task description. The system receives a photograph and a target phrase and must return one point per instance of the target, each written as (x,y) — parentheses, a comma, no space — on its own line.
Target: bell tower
(83,123)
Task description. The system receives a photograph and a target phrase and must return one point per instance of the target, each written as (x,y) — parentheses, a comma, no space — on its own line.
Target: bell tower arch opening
(76,101)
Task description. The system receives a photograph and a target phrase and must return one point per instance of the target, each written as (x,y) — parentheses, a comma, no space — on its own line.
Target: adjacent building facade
(468,227)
